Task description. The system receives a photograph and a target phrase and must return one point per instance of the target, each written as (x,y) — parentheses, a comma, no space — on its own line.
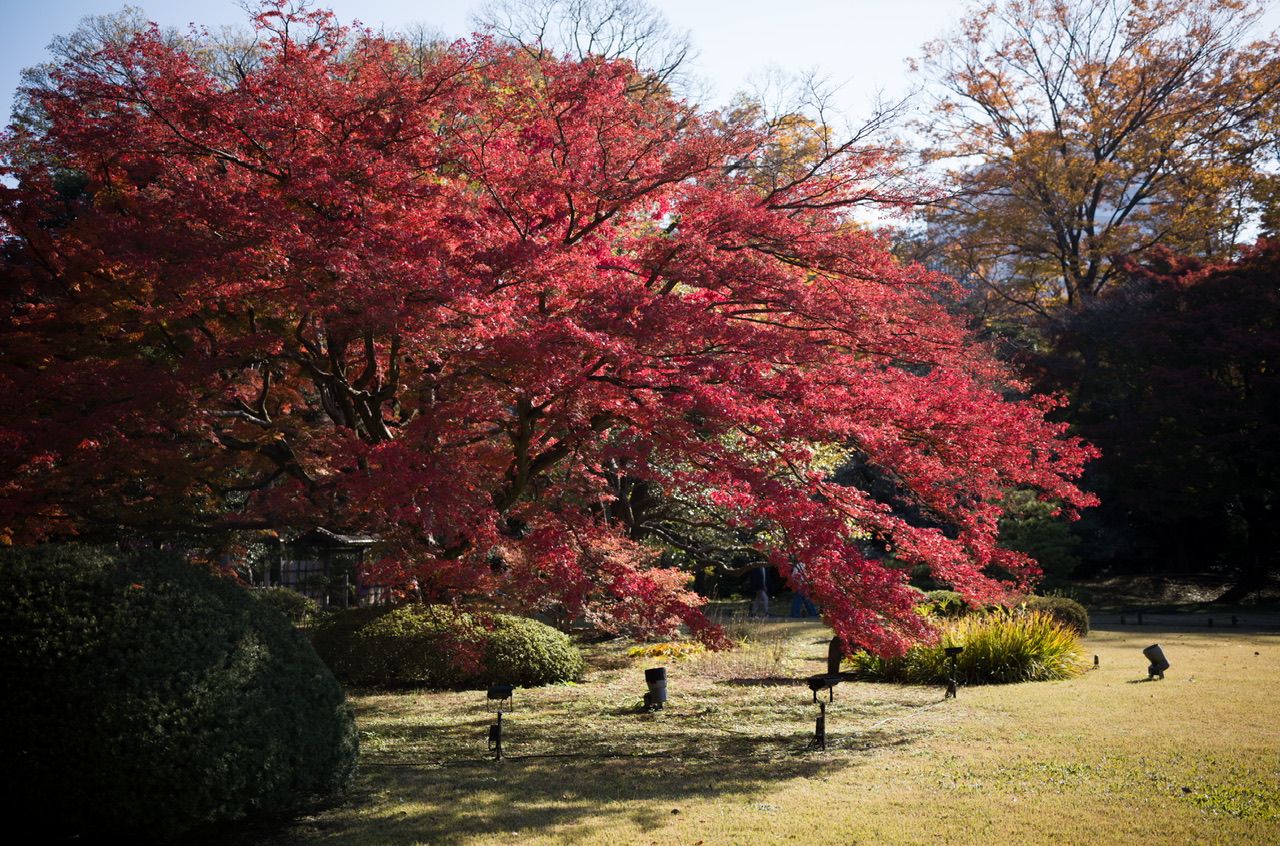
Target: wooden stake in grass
(952,652)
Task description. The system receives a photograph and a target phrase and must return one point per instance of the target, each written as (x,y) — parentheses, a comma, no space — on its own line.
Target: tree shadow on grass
(451,804)
(767,681)
(647,771)
(445,803)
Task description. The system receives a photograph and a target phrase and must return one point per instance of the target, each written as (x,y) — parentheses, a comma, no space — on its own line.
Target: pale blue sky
(861,43)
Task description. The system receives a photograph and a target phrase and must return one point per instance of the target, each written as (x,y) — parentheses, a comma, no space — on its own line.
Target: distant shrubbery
(434,646)
(945,603)
(1066,611)
(298,607)
(1035,527)
(145,695)
(998,648)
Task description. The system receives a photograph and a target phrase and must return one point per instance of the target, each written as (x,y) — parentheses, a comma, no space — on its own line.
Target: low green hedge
(435,646)
(999,648)
(298,607)
(1066,611)
(145,695)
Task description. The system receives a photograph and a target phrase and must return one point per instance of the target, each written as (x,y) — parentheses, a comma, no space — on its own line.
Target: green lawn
(1105,758)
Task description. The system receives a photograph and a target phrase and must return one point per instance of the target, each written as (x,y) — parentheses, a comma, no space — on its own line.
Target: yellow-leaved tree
(1077,133)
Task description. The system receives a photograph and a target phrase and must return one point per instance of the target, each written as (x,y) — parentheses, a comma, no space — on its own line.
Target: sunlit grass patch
(1220,786)
(1105,757)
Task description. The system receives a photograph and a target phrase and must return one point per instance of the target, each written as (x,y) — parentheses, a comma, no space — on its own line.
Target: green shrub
(1066,611)
(145,695)
(527,653)
(298,607)
(1038,529)
(999,648)
(434,646)
(945,603)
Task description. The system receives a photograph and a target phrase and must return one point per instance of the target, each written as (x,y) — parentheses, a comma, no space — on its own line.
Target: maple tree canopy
(516,317)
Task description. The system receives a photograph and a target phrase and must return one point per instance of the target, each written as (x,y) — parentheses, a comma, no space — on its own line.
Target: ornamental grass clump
(999,648)
(945,603)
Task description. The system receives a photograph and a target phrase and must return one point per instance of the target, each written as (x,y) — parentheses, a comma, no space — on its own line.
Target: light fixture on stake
(952,652)
(817,683)
(820,728)
(502,693)
(827,683)
(656,679)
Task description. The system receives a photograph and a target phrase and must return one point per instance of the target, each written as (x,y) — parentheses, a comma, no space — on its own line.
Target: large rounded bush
(296,606)
(525,652)
(1065,610)
(145,695)
(434,646)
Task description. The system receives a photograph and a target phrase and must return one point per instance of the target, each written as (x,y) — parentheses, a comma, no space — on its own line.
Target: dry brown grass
(1106,758)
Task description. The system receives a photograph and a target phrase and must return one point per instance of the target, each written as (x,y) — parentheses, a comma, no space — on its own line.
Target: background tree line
(1106,168)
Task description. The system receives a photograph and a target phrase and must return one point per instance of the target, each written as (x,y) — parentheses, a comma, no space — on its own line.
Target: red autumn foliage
(476,307)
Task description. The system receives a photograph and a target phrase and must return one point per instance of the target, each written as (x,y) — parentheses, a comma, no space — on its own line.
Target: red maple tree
(519,318)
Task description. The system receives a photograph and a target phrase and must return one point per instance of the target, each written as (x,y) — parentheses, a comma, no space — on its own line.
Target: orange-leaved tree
(1080,132)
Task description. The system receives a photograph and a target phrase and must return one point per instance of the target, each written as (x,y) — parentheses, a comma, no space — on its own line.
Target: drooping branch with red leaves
(517,321)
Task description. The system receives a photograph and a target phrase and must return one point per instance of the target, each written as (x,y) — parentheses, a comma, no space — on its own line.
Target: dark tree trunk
(835,654)
(1258,557)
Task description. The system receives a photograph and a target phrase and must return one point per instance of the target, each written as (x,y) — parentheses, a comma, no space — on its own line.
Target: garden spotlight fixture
(827,683)
(656,679)
(502,693)
(817,683)
(1159,663)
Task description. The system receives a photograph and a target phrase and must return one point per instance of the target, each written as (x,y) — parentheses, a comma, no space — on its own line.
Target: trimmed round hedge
(435,646)
(145,696)
(1066,611)
(296,606)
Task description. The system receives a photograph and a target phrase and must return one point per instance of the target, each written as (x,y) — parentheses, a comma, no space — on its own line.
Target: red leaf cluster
(458,305)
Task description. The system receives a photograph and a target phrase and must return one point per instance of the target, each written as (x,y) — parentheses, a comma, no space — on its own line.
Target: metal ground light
(1159,663)
(501,693)
(656,679)
(816,684)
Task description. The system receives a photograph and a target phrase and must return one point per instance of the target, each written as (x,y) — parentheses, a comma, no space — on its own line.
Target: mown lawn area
(1108,757)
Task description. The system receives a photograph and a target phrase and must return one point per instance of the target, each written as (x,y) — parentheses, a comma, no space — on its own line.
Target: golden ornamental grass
(999,648)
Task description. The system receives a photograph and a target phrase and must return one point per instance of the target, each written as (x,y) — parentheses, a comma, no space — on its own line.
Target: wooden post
(835,654)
